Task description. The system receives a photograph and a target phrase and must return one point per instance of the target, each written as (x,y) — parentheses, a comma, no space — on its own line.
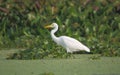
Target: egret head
(53,25)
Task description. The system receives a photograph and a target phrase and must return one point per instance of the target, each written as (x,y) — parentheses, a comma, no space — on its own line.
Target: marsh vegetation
(96,23)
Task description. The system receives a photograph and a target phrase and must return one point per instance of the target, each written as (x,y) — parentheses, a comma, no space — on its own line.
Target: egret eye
(53,25)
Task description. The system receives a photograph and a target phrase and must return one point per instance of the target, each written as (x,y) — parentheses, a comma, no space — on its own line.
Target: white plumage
(70,44)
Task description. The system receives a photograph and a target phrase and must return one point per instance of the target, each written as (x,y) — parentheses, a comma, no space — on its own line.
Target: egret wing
(72,43)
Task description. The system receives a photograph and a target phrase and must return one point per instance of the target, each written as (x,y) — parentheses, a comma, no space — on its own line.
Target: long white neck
(56,39)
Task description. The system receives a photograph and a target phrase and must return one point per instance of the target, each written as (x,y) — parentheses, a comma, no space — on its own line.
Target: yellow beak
(48,26)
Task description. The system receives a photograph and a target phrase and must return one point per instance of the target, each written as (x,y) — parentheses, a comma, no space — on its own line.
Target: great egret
(70,44)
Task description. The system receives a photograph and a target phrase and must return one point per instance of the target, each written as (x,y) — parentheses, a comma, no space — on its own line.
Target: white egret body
(70,44)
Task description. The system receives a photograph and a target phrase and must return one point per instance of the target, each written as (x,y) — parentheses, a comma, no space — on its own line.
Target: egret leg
(70,52)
